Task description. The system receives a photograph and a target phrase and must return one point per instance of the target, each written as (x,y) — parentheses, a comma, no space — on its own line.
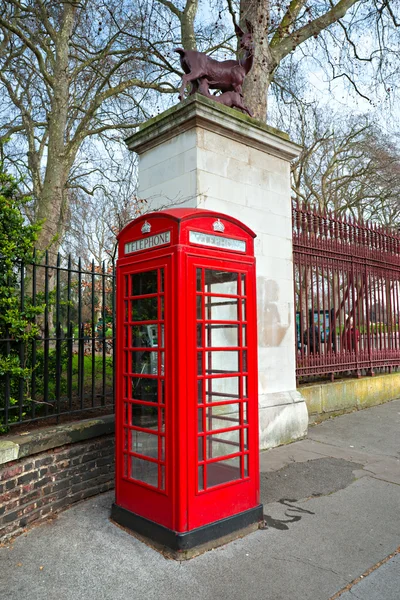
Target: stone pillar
(205,155)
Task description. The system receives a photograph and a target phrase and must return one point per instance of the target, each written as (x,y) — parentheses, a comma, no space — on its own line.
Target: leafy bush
(17,328)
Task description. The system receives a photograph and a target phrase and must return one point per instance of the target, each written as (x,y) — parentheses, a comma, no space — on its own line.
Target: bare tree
(348,166)
(74,76)
(283,27)
(70,72)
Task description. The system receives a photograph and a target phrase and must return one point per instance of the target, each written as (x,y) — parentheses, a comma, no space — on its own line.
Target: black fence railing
(65,370)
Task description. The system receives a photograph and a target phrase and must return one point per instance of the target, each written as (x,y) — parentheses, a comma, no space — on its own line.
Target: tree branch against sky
(342,34)
(76,77)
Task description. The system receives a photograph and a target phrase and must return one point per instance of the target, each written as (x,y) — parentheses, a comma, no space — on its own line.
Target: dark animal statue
(205,73)
(231,99)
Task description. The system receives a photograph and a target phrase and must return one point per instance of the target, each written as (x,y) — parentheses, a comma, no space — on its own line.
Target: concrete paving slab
(383,584)
(374,430)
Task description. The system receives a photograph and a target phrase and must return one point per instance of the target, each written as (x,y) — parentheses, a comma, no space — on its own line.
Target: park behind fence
(67,369)
(347,297)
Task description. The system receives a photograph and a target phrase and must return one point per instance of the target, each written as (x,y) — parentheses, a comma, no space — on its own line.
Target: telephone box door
(144,317)
(224,411)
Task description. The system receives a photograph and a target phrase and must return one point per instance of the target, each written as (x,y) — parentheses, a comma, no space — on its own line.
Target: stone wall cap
(14,447)
(199,111)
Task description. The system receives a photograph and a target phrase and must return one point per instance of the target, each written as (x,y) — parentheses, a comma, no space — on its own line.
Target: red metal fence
(347,294)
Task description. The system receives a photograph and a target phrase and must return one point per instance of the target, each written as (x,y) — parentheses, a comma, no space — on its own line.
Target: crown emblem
(218,226)
(146,227)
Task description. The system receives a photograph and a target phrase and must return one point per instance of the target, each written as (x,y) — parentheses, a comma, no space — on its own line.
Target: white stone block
(172,147)
(218,144)
(213,185)
(177,192)
(283,424)
(277,247)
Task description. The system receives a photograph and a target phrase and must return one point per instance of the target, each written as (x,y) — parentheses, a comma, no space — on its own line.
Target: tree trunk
(258,80)
(52,204)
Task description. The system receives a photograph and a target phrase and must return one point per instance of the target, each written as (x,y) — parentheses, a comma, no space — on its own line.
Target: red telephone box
(187,449)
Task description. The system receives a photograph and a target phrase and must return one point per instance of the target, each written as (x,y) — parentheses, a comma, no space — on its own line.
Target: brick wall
(35,487)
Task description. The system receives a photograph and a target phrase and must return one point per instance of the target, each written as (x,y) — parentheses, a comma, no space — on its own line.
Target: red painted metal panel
(157,465)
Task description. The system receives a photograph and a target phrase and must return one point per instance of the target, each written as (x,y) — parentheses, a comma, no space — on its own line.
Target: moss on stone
(199,99)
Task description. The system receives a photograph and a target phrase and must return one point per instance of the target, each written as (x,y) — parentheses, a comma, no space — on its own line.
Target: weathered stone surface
(331,399)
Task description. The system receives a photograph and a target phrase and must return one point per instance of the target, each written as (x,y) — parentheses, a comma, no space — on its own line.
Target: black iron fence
(66,368)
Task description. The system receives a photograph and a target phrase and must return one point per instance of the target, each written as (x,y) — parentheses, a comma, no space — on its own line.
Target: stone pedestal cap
(202,112)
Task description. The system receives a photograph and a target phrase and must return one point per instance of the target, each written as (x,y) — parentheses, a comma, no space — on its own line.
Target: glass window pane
(199,304)
(162,420)
(144,443)
(223,416)
(199,336)
(141,336)
(221,309)
(200,449)
(243,282)
(162,391)
(126,310)
(144,309)
(221,336)
(162,308)
(243,310)
(200,363)
(145,416)
(200,475)
(144,389)
(200,388)
(222,361)
(198,280)
(126,281)
(222,388)
(162,444)
(223,471)
(126,439)
(245,439)
(144,470)
(162,280)
(200,420)
(244,359)
(246,465)
(244,337)
(221,444)
(126,465)
(162,475)
(144,283)
(245,413)
(220,282)
(145,363)
(162,363)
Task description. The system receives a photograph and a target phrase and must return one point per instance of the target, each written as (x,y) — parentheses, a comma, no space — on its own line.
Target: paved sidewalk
(331,503)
